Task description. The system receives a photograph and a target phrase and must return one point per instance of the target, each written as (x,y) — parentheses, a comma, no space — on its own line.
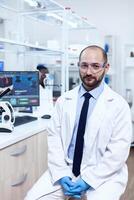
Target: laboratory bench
(23,158)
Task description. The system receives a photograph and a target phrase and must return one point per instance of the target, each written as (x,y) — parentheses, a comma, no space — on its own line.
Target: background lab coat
(107,143)
(46,102)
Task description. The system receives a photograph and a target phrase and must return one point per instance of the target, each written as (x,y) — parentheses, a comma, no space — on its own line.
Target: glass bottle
(129,97)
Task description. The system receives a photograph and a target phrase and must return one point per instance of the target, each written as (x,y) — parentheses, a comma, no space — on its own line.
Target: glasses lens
(93,66)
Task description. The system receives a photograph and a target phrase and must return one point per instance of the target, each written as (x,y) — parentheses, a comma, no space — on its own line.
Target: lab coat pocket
(104,136)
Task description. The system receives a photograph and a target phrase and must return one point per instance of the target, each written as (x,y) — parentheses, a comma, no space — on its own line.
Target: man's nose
(89,70)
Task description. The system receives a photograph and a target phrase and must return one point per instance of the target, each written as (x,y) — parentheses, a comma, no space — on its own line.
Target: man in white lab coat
(103,171)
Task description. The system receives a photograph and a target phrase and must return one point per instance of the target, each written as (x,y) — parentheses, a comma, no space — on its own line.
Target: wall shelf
(30,46)
(29,6)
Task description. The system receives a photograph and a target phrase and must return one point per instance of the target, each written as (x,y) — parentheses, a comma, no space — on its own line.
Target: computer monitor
(24,87)
(1,65)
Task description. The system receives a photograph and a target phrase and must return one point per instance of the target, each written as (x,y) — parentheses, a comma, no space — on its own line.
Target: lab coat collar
(95,92)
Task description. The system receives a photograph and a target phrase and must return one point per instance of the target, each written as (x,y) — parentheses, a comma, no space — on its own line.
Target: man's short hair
(41,66)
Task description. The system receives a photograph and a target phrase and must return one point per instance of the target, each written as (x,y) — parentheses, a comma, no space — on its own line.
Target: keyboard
(19,120)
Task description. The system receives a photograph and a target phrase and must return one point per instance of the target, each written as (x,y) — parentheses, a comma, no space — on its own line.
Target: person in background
(42,74)
(46,104)
(89,138)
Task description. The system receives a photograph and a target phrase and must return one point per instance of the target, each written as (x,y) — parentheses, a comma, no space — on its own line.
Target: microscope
(7,117)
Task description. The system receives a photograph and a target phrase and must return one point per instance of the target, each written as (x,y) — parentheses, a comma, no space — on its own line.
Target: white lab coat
(106,143)
(46,102)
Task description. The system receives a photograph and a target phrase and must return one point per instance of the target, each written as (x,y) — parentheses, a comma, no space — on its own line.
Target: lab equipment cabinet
(21,164)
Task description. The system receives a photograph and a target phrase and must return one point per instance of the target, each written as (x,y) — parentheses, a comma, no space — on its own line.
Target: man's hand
(66,183)
(78,188)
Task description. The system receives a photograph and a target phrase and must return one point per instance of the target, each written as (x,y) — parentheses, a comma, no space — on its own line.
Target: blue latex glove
(78,188)
(66,183)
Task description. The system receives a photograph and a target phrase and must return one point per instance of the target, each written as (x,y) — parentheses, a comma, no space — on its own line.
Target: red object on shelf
(67,8)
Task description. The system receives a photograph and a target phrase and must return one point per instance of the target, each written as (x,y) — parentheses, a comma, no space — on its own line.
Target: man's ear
(107,66)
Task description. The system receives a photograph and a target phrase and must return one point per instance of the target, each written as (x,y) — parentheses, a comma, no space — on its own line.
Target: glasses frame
(100,65)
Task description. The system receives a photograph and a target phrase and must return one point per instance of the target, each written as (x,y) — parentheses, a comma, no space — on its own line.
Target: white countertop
(23,131)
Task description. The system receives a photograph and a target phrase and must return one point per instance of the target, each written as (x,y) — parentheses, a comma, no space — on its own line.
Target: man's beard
(90,82)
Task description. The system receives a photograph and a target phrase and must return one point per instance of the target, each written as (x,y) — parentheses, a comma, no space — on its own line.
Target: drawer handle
(19,151)
(20,181)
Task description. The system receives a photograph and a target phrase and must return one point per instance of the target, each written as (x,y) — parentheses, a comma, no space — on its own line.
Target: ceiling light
(32,3)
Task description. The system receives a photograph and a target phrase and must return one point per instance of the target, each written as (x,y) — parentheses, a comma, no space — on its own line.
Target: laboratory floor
(129,193)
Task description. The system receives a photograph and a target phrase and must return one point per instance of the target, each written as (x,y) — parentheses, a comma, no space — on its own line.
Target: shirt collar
(95,92)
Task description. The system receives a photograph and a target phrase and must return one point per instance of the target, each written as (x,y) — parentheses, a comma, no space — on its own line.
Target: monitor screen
(24,87)
(1,65)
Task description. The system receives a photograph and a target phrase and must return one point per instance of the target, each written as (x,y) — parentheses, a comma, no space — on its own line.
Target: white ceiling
(110,17)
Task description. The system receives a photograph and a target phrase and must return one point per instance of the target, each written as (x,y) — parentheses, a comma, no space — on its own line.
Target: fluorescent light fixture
(32,3)
(72,24)
(55,16)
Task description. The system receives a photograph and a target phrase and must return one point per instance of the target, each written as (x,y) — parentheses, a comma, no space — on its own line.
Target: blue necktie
(80,136)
